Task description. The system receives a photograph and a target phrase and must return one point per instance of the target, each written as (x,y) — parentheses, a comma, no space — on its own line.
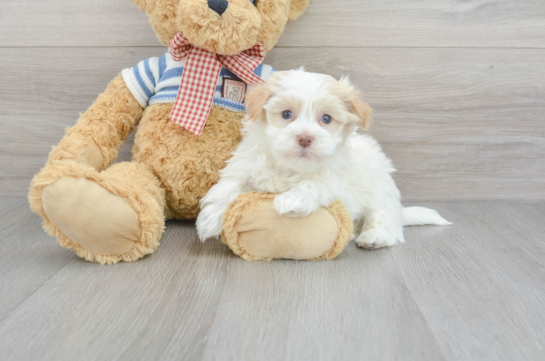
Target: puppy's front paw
(376,238)
(295,204)
(209,223)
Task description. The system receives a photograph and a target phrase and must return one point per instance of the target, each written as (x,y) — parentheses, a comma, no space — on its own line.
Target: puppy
(300,141)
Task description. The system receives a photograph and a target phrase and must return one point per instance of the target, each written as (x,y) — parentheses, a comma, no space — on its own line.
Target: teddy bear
(188,105)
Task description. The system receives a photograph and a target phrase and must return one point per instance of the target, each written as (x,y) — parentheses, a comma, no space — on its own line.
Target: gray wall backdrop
(458,87)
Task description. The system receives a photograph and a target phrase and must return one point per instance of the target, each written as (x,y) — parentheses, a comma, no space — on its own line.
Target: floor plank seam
(11,312)
(220,298)
(432,332)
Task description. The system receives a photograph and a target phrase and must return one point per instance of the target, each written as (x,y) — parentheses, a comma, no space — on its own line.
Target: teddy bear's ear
(141,4)
(297,8)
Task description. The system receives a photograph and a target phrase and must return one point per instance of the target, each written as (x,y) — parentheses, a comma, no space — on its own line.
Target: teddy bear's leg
(107,216)
(254,230)
(104,217)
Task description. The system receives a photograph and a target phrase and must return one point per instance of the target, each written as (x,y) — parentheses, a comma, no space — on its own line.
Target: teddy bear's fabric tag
(233,89)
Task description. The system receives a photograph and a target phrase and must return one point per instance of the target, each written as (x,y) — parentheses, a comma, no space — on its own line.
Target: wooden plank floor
(471,291)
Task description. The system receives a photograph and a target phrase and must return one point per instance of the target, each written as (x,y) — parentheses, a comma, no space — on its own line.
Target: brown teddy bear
(188,105)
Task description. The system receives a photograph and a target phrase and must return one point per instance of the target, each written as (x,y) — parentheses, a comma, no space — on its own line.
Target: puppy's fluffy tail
(419,216)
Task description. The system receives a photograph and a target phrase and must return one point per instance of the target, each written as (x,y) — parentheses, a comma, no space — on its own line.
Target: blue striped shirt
(157,80)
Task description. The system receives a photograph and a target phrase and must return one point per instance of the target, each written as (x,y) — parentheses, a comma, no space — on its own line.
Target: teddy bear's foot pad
(91,216)
(255,231)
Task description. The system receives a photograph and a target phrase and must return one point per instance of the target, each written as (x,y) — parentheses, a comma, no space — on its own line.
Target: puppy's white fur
(339,164)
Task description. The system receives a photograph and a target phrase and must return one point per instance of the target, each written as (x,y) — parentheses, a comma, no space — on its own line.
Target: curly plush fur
(240,27)
(187,165)
(171,169)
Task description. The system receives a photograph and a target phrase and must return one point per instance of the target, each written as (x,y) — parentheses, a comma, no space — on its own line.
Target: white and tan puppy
(300,141)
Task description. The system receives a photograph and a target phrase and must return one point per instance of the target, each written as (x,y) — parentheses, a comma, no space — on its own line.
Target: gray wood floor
(471,291)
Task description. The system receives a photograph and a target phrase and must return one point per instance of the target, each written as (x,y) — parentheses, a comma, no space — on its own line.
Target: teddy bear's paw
(102,223)
(376,238)
(107,217)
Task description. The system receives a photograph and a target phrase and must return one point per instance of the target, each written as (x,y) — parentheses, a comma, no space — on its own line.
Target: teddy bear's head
(222,26)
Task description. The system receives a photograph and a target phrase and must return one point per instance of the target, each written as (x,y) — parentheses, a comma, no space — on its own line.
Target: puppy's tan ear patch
(362,110)
(256,100)
(297,8)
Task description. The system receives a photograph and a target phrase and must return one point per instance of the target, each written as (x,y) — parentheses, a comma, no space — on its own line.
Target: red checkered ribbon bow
(201,72)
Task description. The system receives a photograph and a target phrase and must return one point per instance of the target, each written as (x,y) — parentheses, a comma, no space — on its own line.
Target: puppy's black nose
(218,6)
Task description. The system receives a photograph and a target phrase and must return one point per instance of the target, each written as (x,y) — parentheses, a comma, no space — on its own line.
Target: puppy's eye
(326,118)
(287,114)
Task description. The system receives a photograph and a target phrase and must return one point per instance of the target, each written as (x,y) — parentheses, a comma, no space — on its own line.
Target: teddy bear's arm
(100,131)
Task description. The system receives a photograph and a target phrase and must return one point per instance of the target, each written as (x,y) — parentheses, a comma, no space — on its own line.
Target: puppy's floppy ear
(361,109)
(256,100)
(297,8)
(360,112)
